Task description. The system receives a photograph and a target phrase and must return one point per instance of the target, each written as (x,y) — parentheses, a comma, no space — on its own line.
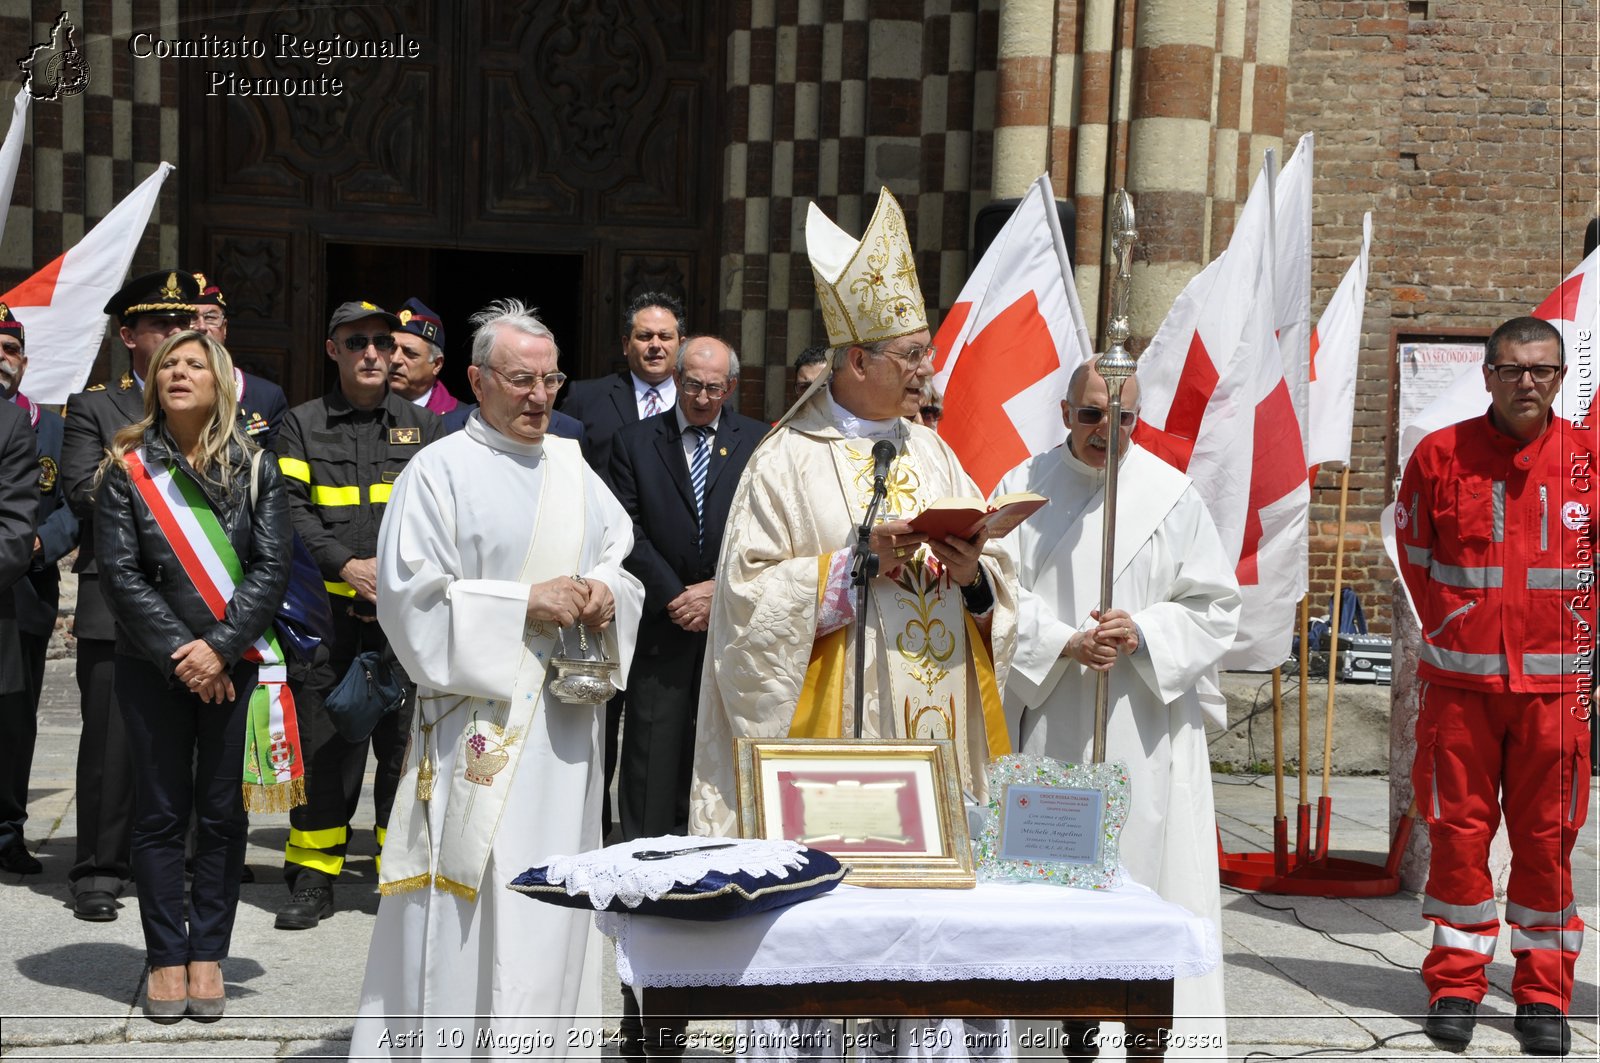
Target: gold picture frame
(890,810)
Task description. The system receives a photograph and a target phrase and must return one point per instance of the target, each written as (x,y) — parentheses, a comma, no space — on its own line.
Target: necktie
(698,466)
(652,402)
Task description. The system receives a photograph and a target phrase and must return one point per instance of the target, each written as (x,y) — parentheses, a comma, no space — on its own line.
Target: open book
(962,517)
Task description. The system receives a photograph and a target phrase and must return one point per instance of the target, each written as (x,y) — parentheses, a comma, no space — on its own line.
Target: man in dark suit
(150,308)
(675,474)
(262,404)
(652,329)
(19,499)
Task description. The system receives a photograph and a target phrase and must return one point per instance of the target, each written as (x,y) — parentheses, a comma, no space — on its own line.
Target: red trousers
(1479,752)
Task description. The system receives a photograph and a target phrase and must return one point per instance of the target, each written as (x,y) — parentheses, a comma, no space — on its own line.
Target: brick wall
(1469,129)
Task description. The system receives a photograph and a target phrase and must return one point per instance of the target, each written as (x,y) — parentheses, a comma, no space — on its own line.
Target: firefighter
(1495,522)
(340,456)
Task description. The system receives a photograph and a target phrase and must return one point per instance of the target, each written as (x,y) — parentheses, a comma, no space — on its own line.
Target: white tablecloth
(1009,931)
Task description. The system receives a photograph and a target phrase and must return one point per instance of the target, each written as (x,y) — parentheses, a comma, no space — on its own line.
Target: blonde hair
(221,429)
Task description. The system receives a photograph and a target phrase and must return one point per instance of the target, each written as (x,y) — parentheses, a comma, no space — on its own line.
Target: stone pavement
(1307,978)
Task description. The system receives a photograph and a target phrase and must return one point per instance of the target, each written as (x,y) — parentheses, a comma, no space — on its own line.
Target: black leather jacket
(156,606)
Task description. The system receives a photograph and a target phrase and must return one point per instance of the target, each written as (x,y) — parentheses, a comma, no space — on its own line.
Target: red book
(961,518)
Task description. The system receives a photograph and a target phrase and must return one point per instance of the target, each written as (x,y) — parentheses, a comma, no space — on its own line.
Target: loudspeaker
(993,216)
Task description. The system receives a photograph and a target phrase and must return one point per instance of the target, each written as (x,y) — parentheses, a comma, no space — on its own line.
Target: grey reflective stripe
(1466,576)
(1448,937)
(1553,663)
(1420,556)
(1521,915)
(1460,914)
(1457,611)
(1466,663)
(1536,940)
(1499,492)
(1557,579)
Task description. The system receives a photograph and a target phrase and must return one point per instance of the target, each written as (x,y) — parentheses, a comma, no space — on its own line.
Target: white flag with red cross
(1217,405)
(1010,343)
(11,153)
(61,306)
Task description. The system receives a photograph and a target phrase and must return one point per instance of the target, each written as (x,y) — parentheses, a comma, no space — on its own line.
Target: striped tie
(697,475)
(652,403)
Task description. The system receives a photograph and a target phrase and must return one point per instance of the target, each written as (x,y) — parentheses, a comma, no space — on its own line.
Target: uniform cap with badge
(10,326)
(417,319)
(164,293)
(210,294)
(358,310)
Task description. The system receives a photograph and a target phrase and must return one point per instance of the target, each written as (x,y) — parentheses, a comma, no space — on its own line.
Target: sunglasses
(1089,416)
(356,344)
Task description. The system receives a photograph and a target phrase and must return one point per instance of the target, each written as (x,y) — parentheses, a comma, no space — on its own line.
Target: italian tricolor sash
(274,771)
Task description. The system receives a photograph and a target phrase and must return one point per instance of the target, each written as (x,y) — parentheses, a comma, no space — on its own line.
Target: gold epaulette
(95,387)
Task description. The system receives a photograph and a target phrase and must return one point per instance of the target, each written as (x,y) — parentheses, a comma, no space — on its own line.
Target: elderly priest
(496,538)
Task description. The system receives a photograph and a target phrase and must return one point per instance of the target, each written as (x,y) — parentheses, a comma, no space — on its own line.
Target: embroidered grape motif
(478,743)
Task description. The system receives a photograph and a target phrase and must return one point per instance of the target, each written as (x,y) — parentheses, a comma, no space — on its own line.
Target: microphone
(883,455)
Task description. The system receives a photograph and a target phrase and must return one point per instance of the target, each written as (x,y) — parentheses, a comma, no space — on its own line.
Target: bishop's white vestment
(783,651)
(500,775)
(1175,581)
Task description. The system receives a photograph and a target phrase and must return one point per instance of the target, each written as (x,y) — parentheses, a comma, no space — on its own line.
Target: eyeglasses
(714,392)
(913,358)
(357,344)
(1089,416)
(212,318)
(1512,374)
(931,413)
(523,383)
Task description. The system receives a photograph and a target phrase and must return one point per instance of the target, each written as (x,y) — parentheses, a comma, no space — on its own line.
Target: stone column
(1023,96)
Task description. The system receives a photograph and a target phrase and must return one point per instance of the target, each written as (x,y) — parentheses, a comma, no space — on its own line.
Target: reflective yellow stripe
(382,834)
(319,839)
(314,859)
(335,496)
(342,589)
(379,493)
(295,469)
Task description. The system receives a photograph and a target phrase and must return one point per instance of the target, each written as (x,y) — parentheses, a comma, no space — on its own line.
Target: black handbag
(305,619)
(371,689)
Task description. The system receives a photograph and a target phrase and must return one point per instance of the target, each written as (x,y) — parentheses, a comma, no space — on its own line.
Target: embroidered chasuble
(1175,581)
(498,775)
(928,671)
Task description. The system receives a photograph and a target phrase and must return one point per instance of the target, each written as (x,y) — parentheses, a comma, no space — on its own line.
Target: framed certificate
(891,810)
(1053,822)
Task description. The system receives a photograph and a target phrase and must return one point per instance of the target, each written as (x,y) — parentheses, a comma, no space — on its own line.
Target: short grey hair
(733,355)
(506,314)
(435,352)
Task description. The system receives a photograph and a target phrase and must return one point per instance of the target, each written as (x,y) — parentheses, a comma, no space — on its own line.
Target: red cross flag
(1335,356)
(11,153)
(60,306)
(1216,404)
(1009,345)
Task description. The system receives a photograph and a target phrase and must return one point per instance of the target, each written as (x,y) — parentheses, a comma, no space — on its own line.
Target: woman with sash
(193,535)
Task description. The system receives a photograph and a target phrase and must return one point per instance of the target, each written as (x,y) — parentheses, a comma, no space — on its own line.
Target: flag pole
(1302,826)
(1115,366)
(1325,802)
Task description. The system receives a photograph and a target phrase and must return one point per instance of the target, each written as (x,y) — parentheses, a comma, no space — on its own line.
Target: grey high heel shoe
(165,1012)
(208,1009)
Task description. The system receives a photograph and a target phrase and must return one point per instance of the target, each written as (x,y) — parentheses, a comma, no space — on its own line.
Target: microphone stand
(862,569)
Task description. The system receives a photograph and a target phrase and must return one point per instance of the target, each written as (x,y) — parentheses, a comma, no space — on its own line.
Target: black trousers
(658,744)
(18,728)
(189,757)
(319,830)
(105,777)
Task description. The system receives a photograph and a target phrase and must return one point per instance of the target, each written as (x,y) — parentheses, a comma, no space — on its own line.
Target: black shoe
(96,906)
(308,907)
(1450,1022)
(16,859)
(1543,1030)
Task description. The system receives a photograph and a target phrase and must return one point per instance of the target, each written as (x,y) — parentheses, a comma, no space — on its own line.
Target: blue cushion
(714,896)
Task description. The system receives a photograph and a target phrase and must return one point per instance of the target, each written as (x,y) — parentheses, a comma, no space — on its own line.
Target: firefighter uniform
(339,464)
(1497,539)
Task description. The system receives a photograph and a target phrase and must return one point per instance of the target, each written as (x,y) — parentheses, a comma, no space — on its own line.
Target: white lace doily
(616,872)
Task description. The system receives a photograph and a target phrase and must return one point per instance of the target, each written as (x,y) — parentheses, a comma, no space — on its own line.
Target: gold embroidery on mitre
(171,289)
(876,296)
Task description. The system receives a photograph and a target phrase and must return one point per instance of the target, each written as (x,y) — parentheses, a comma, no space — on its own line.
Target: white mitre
(868,287)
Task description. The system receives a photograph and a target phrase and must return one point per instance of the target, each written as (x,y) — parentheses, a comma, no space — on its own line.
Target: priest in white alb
(782,627)
(1175,609)
(496,538)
